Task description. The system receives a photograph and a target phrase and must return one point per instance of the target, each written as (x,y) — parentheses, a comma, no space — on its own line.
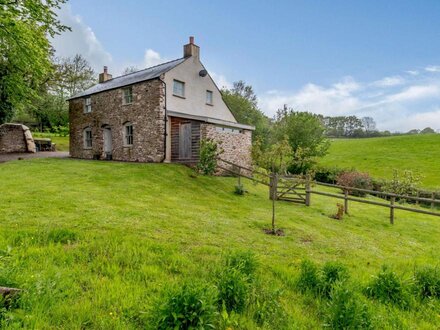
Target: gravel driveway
(42,154)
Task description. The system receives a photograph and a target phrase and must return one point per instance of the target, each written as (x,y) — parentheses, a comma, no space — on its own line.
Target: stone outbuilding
(15,138)
(159,114)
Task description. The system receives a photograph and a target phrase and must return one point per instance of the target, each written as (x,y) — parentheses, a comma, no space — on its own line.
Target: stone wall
(236,146)
(16,138)
(145,113)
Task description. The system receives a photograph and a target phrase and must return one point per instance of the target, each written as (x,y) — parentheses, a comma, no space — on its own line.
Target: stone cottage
(159,114)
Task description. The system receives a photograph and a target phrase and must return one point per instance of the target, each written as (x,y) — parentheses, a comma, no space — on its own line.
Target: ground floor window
(87,135)
(128,134)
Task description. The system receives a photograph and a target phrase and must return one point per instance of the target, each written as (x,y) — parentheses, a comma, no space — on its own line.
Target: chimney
(104,76)
(191,49)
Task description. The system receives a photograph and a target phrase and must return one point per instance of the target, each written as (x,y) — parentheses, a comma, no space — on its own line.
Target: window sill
(128,146)
(127,103)
(87,112)
(179,96)
(210,104)
(88,148)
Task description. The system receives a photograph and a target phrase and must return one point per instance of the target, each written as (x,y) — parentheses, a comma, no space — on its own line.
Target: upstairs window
(178,88)
(127,95)
(209,97)
(128,134)
(87,138)
(87,105)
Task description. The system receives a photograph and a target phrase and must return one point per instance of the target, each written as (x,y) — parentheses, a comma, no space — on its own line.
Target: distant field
(379,156)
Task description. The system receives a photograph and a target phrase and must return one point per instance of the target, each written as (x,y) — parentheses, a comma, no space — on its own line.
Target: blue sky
(375,58)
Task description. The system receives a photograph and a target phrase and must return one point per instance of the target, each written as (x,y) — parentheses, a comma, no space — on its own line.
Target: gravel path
(43,154)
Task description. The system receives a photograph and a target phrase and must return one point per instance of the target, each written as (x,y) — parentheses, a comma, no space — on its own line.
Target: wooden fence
(299,189)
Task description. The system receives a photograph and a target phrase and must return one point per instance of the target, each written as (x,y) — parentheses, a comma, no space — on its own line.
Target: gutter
(165,119)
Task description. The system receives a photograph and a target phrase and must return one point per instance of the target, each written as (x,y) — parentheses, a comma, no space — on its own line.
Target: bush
(355,180)
(332,272)
(208,157)
(233,289)
(402,183)
(327,174)
(309,279)
(387,287)
(427,281)
(346,310)
(192,306)
(244,261)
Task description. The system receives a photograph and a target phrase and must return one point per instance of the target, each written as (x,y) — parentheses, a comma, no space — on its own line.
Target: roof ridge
(151,67)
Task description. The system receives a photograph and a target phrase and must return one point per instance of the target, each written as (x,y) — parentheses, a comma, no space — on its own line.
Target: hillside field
(95,244)
(379,156)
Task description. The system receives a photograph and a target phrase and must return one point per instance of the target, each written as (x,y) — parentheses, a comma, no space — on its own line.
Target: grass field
(379,156)
(95,244)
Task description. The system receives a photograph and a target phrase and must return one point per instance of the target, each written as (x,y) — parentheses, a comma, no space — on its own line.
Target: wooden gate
(290,189)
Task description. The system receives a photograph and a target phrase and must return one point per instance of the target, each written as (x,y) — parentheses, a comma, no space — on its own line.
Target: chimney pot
(105,69)
(104,76)
(191,40)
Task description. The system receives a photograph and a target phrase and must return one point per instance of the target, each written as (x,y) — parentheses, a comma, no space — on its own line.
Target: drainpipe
(165,119)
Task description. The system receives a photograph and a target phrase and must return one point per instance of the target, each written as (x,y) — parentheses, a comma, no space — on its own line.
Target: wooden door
(107,141)
(185,141)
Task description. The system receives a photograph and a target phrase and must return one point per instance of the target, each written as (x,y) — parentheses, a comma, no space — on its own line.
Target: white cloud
(433,68)
(389,81)
(415,93)
(81,40)
(152,58)
(413,72)
(220,80)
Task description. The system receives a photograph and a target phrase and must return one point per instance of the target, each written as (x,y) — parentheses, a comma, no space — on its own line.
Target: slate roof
(131,78)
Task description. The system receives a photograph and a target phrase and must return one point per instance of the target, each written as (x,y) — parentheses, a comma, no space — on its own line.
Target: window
(178,88)
(209,97)
(228,130)
(87,105)
(128,134)
(87,138)
(127,95)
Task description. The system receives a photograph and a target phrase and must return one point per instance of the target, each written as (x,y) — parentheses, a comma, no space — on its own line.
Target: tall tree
(130,69)
(25,51)
(73,75)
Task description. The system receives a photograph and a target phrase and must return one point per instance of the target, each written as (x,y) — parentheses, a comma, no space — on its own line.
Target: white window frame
(128,134)
(87,104)
(88,138)
(127,95)
(209,97)
(178,88)
(222,129)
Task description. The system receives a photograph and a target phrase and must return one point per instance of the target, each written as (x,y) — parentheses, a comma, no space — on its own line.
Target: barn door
(185,141)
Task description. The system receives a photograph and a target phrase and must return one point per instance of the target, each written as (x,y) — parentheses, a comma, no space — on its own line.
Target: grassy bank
(94,244)
(379,156)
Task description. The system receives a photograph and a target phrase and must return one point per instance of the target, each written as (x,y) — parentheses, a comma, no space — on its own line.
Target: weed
(233,289)
(339,213)
(309,279)
(61,235)
(239,190)
(332,273)
(427,281)
(243,261)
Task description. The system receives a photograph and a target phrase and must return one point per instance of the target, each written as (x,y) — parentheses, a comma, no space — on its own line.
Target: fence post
(308,190)
(433,198)
(392,201)
(417,195)
(239,176)
(346,201)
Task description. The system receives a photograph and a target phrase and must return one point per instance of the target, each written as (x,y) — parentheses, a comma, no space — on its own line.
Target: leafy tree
(130,69)
(305,134)
(369,124)
(73,75)
(242,101)
(413,131)
(427,130)
(25,51)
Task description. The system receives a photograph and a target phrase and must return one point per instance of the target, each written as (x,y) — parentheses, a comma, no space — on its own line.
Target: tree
(427,130)
(130,69)
(242,102)
(305,133)
(369,124)
(25,51)
(73,75)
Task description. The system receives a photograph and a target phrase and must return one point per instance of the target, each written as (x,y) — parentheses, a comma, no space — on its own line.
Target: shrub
(427,281)
(239,190)
(332,273)
(209,152)
(346,310)
(327,174)
(233,289)
(192,306)
(402,183)
(387,287)
(355,180)
(243,261)
(309,279)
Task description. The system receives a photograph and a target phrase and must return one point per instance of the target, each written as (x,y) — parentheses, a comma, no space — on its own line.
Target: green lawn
(133,230)
(379,156)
